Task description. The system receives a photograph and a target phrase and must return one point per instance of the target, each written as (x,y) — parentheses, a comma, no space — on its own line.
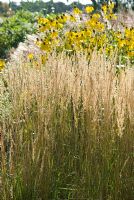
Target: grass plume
(69,133)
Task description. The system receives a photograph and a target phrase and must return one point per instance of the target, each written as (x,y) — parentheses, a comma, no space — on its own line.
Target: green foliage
(46,7)
(37,6)
(14,29)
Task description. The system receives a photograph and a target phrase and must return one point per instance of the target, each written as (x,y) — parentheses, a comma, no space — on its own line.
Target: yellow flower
(111,17)
(60,26)
(89,9)
(111,6)
(91,23)
(96,16)
(104,8)
(2,64)
(54,23)
(42,20)
(62,19)
(131,53)
(44,27)
(89,34)
(45,46)
(121,43)
(72,18)
(54,34)
(30,56)
(77,11)
(43,58)
(100,26)
(129,33)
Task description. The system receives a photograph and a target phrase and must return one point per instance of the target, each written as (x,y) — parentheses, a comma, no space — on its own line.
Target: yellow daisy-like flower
(121,43)
(104,8)
(96,16)
(72,18)
(46,46)
(77,11)
(89,9)
(2,64)
(42,20)
(43,58)
(60,26)
(30,56)
(111,17)
(111,7)
(131,53)
(54,34)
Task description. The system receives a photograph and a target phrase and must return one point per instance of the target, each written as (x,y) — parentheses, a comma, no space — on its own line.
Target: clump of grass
(69,134)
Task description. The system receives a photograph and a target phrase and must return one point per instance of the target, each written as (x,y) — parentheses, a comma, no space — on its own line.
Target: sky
(65,1)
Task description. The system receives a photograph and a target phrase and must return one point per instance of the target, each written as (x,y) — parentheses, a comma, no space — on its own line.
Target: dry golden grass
(69,130)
